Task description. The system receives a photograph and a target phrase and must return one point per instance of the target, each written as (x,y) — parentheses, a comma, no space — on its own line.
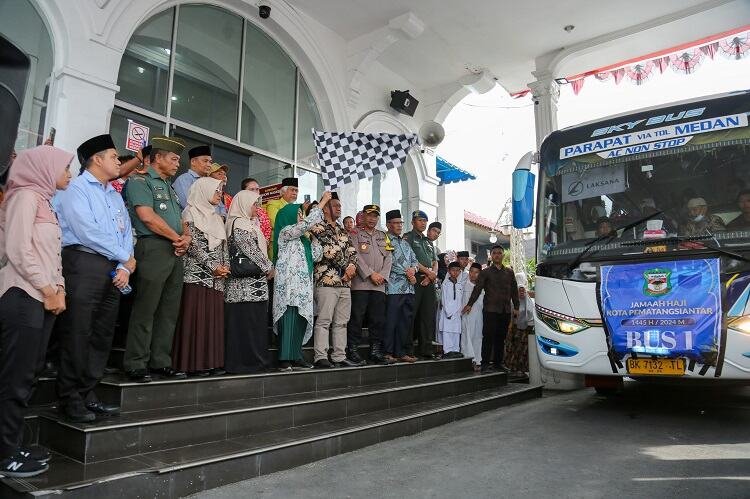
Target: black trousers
(399,316)
(24,332)
(246,340)
(88,325)
(370,304)
(425,309)
(494,331)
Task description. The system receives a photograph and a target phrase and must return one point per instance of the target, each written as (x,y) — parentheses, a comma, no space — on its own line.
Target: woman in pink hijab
(32,294)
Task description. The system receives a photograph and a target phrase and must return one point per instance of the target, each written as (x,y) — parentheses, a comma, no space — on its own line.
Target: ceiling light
(168,51)
(493,238)
(140,69)
(569,28)
(174,97)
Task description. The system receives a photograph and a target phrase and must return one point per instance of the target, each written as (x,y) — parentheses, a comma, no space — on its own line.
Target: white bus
(643,243)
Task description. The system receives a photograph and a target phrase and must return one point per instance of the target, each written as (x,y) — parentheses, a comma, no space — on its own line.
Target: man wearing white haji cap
(700,222)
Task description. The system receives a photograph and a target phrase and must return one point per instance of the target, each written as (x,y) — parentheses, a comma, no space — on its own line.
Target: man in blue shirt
(400,292)
(200,166)
(97,240)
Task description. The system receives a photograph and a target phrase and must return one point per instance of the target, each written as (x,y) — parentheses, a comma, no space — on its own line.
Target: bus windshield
(688,191)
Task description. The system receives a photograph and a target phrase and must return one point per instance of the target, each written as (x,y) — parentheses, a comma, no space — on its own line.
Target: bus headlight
(560,322)
(741,324)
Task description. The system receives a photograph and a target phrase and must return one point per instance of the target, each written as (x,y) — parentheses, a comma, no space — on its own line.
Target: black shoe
(50,370)
(322,364)
(139,376)
(218,371)
(285,366)
(77,413)
(337,365)
(35,453)
(347,363)
(302,364)
(100,407)
(168,372)
(354,357)
(487,369)
(18,466)
(200,374)
(111,370)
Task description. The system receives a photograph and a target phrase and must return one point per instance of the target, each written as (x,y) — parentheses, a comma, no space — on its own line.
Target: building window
(22,26)
(212,77)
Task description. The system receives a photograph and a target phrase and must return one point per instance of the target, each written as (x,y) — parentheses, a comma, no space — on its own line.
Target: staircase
(175,438)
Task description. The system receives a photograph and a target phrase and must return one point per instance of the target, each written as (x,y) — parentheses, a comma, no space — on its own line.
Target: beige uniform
(372,256)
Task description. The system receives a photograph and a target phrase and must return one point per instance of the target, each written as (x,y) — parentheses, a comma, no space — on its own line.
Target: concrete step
(164,428)
(185,470)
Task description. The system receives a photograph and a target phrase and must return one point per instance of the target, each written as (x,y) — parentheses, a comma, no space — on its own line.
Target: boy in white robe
(450,313)
(471,323)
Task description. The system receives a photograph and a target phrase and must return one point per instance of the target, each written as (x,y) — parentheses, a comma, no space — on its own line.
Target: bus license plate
(664,367)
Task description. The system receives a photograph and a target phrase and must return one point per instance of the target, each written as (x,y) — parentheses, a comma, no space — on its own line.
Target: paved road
(650,442)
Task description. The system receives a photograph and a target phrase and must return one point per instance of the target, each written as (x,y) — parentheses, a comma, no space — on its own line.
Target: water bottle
(127,289)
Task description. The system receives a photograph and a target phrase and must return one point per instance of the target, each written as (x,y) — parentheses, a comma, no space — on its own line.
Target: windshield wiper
(717,249)
(587,248)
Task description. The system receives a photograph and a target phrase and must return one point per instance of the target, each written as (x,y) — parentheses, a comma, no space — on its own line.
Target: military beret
(419,214)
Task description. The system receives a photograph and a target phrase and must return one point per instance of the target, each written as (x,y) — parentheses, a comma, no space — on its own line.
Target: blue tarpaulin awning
(448,172)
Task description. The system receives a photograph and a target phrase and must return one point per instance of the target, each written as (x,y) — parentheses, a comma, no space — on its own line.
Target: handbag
(239,263)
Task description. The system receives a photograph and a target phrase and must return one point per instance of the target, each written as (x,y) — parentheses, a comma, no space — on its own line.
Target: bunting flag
(577,85)
(735,47)
(346,156)
(662,63)
(710,49)
(687,61)
(638,73)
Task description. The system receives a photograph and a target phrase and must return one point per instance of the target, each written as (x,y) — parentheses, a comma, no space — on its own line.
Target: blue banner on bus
(663,308)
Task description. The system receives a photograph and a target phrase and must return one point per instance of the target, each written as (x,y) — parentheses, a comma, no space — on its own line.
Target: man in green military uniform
(162,240)
(425,299)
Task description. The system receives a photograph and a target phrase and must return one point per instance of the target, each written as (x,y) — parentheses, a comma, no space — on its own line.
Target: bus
(643,243)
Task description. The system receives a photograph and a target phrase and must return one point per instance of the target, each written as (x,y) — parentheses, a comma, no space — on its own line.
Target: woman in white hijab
(517,344)
(247,297)
(199,338)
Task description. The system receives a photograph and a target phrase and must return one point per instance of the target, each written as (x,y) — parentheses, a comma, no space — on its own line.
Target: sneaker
(323,364)
(35,453)
(285,367)
(18,466)
(354,356)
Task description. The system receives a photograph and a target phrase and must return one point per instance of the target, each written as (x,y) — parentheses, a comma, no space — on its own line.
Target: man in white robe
(450,313)
(471,323)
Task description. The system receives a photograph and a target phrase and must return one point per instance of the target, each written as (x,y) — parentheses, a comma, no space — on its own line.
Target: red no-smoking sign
(137,136)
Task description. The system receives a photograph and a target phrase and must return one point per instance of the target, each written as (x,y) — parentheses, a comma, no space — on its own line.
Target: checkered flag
(344,156)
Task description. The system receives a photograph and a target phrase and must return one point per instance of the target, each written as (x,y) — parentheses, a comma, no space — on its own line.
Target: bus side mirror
(523,192)
(523,198)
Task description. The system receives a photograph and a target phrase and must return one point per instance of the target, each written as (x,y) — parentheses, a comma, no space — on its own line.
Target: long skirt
(291,329)
(246,337)
(199,336)
(517,350)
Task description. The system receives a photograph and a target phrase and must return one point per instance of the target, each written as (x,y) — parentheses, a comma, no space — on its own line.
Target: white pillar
(545,92)
(82,107)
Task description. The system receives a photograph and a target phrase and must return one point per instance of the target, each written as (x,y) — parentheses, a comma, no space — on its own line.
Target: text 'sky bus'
(643,243)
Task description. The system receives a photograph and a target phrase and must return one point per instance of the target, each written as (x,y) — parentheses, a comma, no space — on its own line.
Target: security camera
(264,11)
